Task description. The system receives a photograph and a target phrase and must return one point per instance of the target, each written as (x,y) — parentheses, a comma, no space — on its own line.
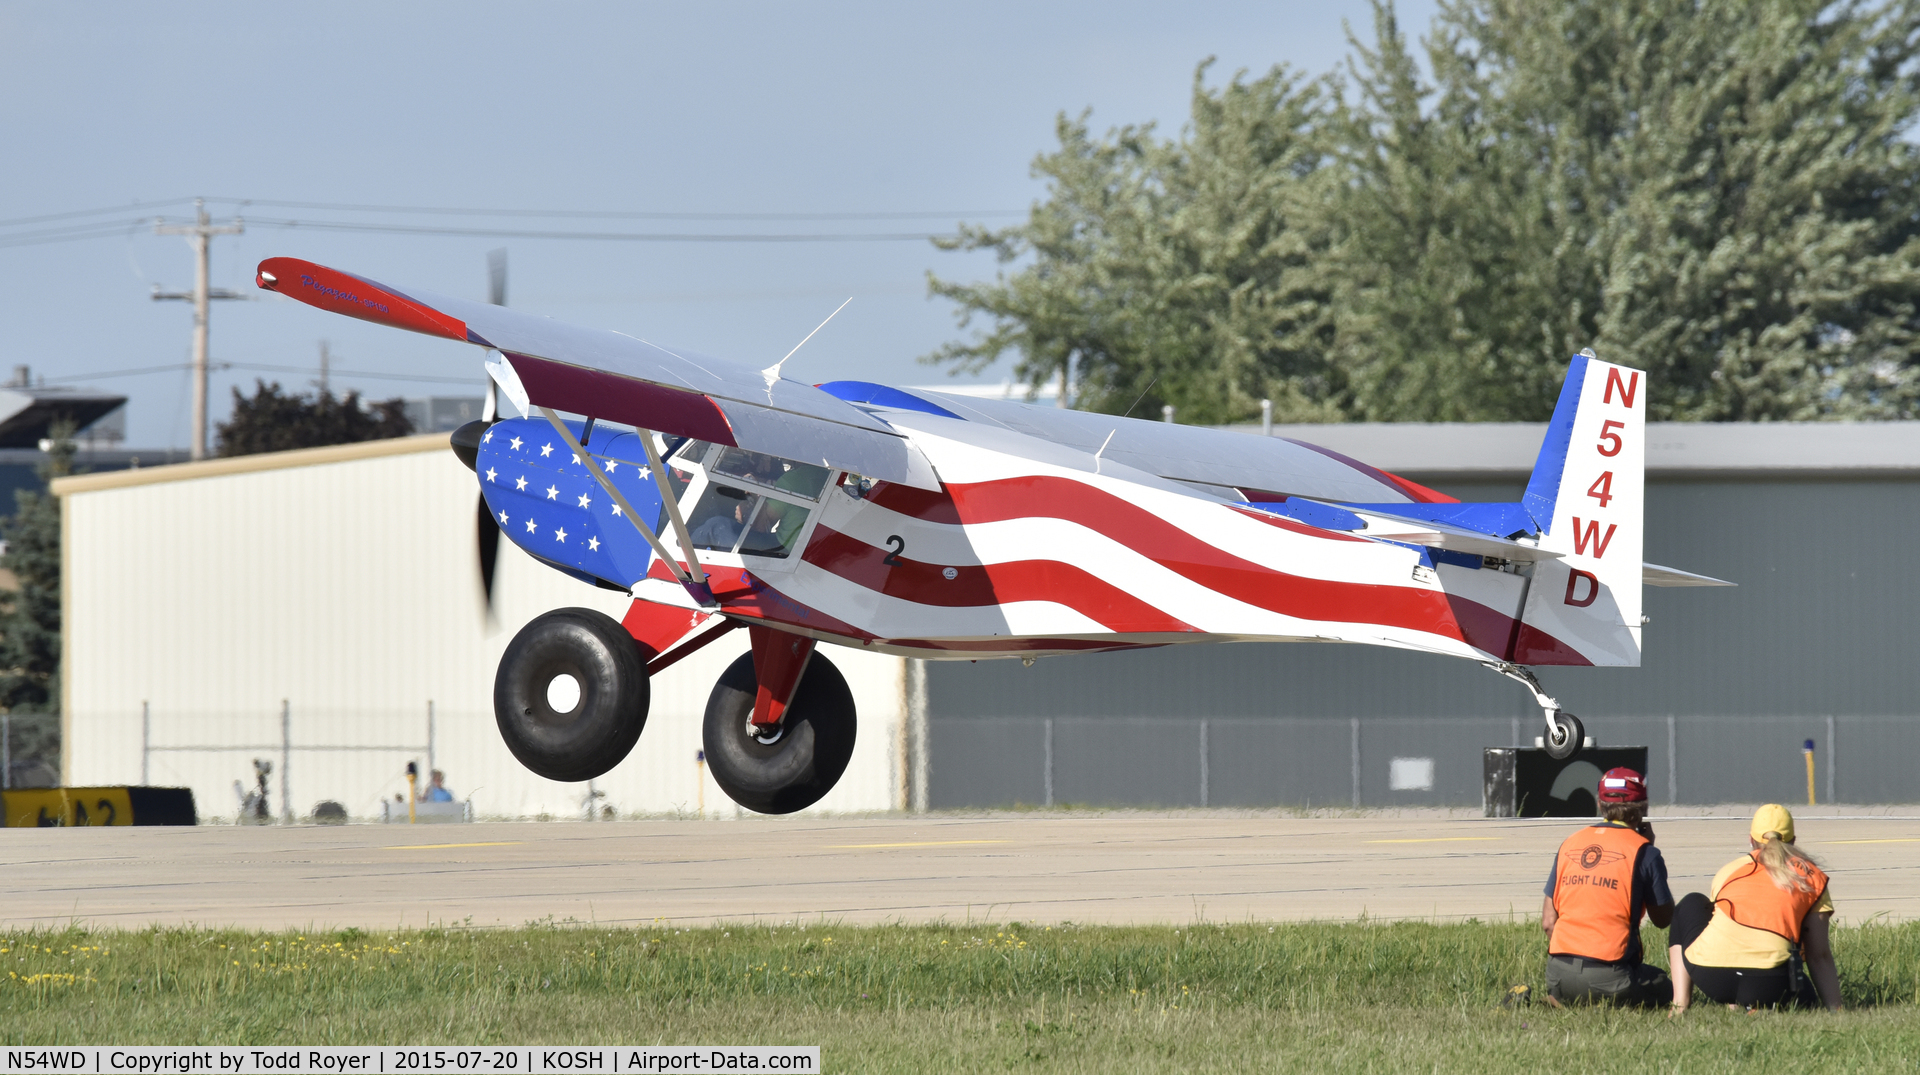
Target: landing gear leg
(1565,735)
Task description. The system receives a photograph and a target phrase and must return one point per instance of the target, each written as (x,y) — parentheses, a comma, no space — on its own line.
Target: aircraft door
(746,503)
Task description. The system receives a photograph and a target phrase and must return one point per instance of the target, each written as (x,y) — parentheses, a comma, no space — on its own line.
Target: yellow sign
(57,807)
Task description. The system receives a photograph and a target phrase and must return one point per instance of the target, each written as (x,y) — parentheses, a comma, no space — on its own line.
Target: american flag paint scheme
(943,527)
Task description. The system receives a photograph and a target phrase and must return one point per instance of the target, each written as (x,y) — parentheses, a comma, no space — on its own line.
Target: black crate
(1525,782)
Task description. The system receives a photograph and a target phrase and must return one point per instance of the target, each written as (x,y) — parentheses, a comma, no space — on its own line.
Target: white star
(546,451)
(516,444)
(488,439)
(616,509)
(586,501)
(593,544)
(529,526)
(553,492)
(576,457)
(610,465)
(520,483)
(490,473)
(503,518)
(561,536)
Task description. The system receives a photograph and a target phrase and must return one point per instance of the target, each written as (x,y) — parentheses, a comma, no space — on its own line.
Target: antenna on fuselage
(772,373)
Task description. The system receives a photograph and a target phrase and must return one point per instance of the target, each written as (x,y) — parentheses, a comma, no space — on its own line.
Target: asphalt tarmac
(1038,867)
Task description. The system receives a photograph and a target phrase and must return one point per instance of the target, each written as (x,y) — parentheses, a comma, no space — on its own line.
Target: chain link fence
(29,750)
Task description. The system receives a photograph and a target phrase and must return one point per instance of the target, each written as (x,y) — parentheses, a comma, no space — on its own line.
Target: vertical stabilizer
(1587,495)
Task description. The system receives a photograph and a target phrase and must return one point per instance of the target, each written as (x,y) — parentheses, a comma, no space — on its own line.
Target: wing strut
(695,585)
(673,507)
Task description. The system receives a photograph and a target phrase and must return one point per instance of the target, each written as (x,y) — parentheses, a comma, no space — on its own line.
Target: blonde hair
(1780,857)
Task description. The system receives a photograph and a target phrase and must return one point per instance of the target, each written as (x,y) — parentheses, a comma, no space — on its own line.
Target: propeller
(486,531)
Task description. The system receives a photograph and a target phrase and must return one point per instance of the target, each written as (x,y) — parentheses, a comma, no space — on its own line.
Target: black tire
(1565,738)
(814,744)
(601,728)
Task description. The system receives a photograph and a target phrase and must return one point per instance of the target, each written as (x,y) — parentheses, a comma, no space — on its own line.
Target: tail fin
(1587,496)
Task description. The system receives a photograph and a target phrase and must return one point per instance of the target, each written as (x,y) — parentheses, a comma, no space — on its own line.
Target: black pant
(1745,986)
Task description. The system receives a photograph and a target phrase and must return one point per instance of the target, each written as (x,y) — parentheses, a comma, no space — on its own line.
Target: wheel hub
(767,735)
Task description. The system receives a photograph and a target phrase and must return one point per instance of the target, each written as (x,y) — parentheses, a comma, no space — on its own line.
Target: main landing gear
(571,694)
(1565,735)
(571,698)
(777,768)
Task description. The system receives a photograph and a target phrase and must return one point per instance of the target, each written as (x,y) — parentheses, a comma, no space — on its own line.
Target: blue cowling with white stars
(544,499)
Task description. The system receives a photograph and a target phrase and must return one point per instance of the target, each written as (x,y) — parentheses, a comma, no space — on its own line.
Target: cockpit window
(801,478)
(730,519)
(735,514)
(691,451)
(720,517)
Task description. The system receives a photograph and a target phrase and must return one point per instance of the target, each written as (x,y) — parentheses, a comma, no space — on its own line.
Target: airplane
(943,527)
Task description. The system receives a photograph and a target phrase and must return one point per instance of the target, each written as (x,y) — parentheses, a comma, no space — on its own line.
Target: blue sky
(719,109)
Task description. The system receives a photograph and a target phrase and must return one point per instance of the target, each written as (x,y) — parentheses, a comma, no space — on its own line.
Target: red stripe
(1200,562)
(741,593)
(343,293)
(1420,493)
(1019,645)
(981,586)
(1449,616)
(933,507)
(1534,646)
(605,395)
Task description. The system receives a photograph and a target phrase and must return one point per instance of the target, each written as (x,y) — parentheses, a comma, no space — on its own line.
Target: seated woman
(1737,944)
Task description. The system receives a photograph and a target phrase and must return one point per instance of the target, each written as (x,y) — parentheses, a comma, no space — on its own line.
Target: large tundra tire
(796,764)
(571,694)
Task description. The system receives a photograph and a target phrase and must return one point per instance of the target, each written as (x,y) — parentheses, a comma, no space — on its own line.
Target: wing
(1655,575)
(617,377)
(1236,465)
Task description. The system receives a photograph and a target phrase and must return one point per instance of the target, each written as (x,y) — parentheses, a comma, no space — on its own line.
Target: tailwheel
(571,694)
(1564,735)
(788,766)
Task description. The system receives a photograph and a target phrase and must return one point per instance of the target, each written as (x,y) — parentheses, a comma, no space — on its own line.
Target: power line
(620,214)
(337,372)
(106,375)
(69,233)
(91,212)
(109,229)
(603,236)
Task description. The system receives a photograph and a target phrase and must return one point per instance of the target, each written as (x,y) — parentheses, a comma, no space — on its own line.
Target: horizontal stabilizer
(1441,536)
(1655,575)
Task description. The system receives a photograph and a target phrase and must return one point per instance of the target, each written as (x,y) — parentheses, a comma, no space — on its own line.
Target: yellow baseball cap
(1772,818)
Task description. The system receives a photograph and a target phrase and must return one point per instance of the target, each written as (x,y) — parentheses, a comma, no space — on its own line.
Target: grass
(1307,997)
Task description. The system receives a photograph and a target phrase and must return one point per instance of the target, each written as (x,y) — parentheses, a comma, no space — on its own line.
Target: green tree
(275,421)
(1717,192)
(1184,269)
(30,615)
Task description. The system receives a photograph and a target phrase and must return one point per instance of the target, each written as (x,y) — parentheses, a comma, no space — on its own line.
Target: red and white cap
(1622,785)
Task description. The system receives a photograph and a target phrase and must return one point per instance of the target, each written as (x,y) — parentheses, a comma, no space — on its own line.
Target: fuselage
(1024,549)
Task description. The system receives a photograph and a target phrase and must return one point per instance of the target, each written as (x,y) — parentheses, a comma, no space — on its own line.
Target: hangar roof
(244,464)
(1493,451)
(1750,450)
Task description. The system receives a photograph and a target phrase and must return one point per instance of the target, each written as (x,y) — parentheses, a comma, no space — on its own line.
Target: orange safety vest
(1593,893)
(1752,899)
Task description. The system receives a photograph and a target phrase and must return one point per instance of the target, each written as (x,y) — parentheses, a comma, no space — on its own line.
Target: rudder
(1587,495)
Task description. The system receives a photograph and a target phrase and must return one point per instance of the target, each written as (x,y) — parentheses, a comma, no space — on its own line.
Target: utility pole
(326,360)
(199,234)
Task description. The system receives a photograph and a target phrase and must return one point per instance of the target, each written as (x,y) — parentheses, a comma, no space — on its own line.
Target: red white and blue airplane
(944,527)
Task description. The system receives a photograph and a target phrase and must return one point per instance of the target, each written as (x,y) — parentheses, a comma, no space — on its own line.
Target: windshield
(802,478)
